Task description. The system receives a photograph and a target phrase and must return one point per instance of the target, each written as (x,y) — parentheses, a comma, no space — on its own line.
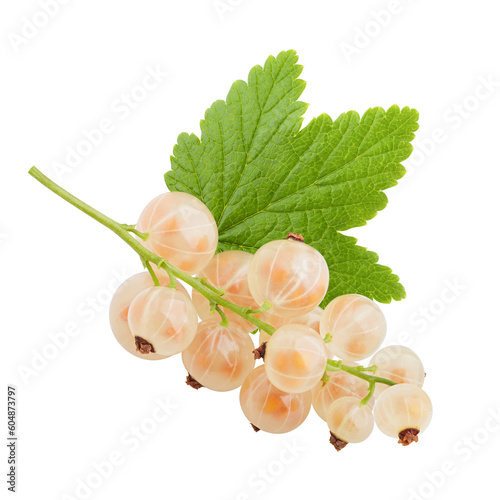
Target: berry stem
(173,283)
(156,281)
(223,317)
(367,398)
(123,231)
(264,307)
(219,291)
(372,368)
(131,228)
(208,291)
(337,365)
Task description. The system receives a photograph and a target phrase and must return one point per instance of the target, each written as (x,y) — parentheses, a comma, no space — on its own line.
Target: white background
(439,233)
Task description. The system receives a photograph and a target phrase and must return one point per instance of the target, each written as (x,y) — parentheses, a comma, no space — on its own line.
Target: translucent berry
(290,275)
(357,327)
(403,411)
(120,304)
(340,384)
(219,358)
(349,421)
(181,230)
(311,319)
(270,409)
(162,320)
(399,364)
(229,272)
(295,358)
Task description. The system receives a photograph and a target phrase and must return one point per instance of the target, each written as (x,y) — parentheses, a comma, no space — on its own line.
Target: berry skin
(290,275)
(181,230)
(219,358)
(349,421)
(340,384)
(270,409)
(402,408)
(311,319)
(399,364)
(120,304)
(228,271)
(162,320)
(295,358)
(357,326)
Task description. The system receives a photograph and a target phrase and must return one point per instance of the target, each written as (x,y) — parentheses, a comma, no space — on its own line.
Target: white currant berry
(219,358)
(357,327)
(311,319)
(404,411)
(162,320)
(181,230)
(229,272)
(399,364)
(270,409)
(295,358)
(120,304)
(340,384)
(349,421)
(290,275)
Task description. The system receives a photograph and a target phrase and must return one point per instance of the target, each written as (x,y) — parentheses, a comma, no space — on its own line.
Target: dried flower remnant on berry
(295,237)
(293,277)
(193,382)
(163,317)
(143,346)
(219,357)
(337,443)
(260,352)
(120,305)
(408,436)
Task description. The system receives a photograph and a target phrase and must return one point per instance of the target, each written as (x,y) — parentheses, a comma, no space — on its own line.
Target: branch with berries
(278,290)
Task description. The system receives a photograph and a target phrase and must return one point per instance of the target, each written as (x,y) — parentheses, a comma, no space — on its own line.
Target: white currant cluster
(310,355)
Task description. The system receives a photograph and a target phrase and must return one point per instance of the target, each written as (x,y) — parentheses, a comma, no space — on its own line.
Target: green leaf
(262,176)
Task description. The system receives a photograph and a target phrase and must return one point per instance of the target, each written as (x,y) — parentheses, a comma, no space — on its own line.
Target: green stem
(336,365)
(219,291)
(132,229)
(264,307)
(208,291)
(171,277)
(147,255)
(372,368)
(367,398)
(223,317)
(156,281)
